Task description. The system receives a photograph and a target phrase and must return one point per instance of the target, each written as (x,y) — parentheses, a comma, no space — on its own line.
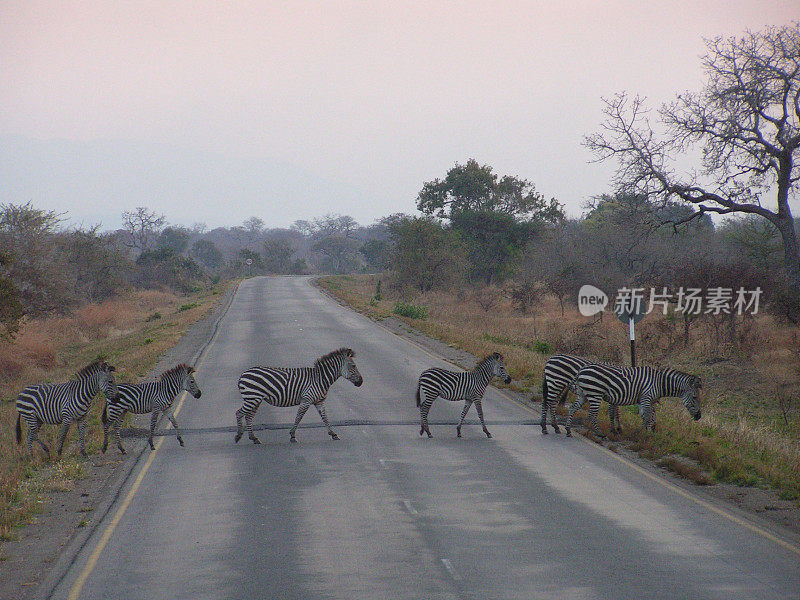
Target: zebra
(63,403)
(302,386)
(633,385)
(559,372)
(153,396)
(469,386)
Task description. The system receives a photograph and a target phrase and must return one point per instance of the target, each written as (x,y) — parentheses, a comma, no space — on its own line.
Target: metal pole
(633,340)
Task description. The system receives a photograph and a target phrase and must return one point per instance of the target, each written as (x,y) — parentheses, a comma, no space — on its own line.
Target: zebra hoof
(544,431)
(180,441)
(293,440)
(569,433)
(334,436)
(430,435)
(556,429)
(422,430)
(488,435)
(122,451)
(458,433)
(255,440)
(237,438)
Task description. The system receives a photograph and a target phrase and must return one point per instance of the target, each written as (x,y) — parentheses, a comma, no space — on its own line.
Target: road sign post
(631,318)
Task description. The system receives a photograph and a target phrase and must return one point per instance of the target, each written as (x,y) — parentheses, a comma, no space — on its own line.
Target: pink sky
(377,96)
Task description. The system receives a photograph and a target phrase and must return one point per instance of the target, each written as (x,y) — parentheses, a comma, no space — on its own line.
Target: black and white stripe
(633,385)
(63,403)
(468,386)
(303,386)
(559,373)
(152,396)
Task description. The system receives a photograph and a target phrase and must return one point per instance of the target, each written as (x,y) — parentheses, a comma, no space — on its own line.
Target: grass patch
(410,310)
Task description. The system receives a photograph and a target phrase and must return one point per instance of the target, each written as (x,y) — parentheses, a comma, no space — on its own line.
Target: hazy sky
(215,111)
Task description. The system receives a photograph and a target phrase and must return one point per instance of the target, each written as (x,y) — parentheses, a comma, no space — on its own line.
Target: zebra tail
(544,389)
(19,429)
(418,399)
(104,416)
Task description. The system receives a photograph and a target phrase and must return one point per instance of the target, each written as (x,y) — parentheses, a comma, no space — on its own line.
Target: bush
(411,311)
(541,347)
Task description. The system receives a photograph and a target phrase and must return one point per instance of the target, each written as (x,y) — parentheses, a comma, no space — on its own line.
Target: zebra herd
(63,403)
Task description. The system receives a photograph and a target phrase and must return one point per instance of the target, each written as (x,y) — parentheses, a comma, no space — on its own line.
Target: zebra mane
(90,368)
(335,354)
(176,369)
(494,356)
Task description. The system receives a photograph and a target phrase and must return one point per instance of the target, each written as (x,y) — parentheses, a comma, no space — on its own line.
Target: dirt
(33,560)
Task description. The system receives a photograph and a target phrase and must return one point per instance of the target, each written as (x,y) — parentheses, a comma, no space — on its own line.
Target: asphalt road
(384,513)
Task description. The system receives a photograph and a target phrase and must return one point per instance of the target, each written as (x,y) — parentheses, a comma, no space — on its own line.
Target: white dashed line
(409,507)
(450,569)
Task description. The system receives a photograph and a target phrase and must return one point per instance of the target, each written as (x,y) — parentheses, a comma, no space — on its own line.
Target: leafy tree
(475,188)
(207,253)
(99,268)
(277,256)
(376,254)
(425,255)
(174,239)
(494,241)
(10,305)
(36,267)
(747,122)
(339,253)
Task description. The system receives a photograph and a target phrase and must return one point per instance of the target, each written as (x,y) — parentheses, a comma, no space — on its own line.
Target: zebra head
(349,370)
(107,381)
(189,384)
(691,397)
(499,369)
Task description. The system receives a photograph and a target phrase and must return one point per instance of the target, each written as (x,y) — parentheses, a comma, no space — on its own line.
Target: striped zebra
(302,386)
(559,372)
(633,385)
(468,386)
(153,396)
(63,403)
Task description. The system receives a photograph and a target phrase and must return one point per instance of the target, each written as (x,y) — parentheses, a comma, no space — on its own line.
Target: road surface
(384,513)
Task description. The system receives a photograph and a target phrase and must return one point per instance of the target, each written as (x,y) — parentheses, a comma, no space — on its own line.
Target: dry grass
(53,349)
(750,430)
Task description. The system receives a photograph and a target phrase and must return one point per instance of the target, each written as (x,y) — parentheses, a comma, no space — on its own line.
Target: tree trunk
(791,258)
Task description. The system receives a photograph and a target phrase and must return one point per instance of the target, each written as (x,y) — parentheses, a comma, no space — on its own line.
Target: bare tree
(142,226)
(746,121)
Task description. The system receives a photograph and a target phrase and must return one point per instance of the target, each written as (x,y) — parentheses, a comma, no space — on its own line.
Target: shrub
(411,311)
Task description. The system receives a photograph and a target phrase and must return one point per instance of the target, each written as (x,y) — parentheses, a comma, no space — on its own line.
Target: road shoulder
(35,562)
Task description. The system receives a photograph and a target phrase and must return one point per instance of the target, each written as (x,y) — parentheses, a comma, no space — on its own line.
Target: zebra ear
(111,367)
(191,370)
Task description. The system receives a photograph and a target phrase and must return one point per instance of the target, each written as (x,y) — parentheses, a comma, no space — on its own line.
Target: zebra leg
(65,423)
(33,436)
(106,425)
(467,404)
(117,425)
(300,414)
(543,423)
(239,426)
(81,433)
(177,430)
(613,418)
(573,409)
(153,421)
(645,412)
(424,408)
(594,410)
(322,413)
(248,419)
(479,408)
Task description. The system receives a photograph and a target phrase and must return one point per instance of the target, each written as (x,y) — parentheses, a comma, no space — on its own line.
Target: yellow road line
(671,486)
(77,587)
